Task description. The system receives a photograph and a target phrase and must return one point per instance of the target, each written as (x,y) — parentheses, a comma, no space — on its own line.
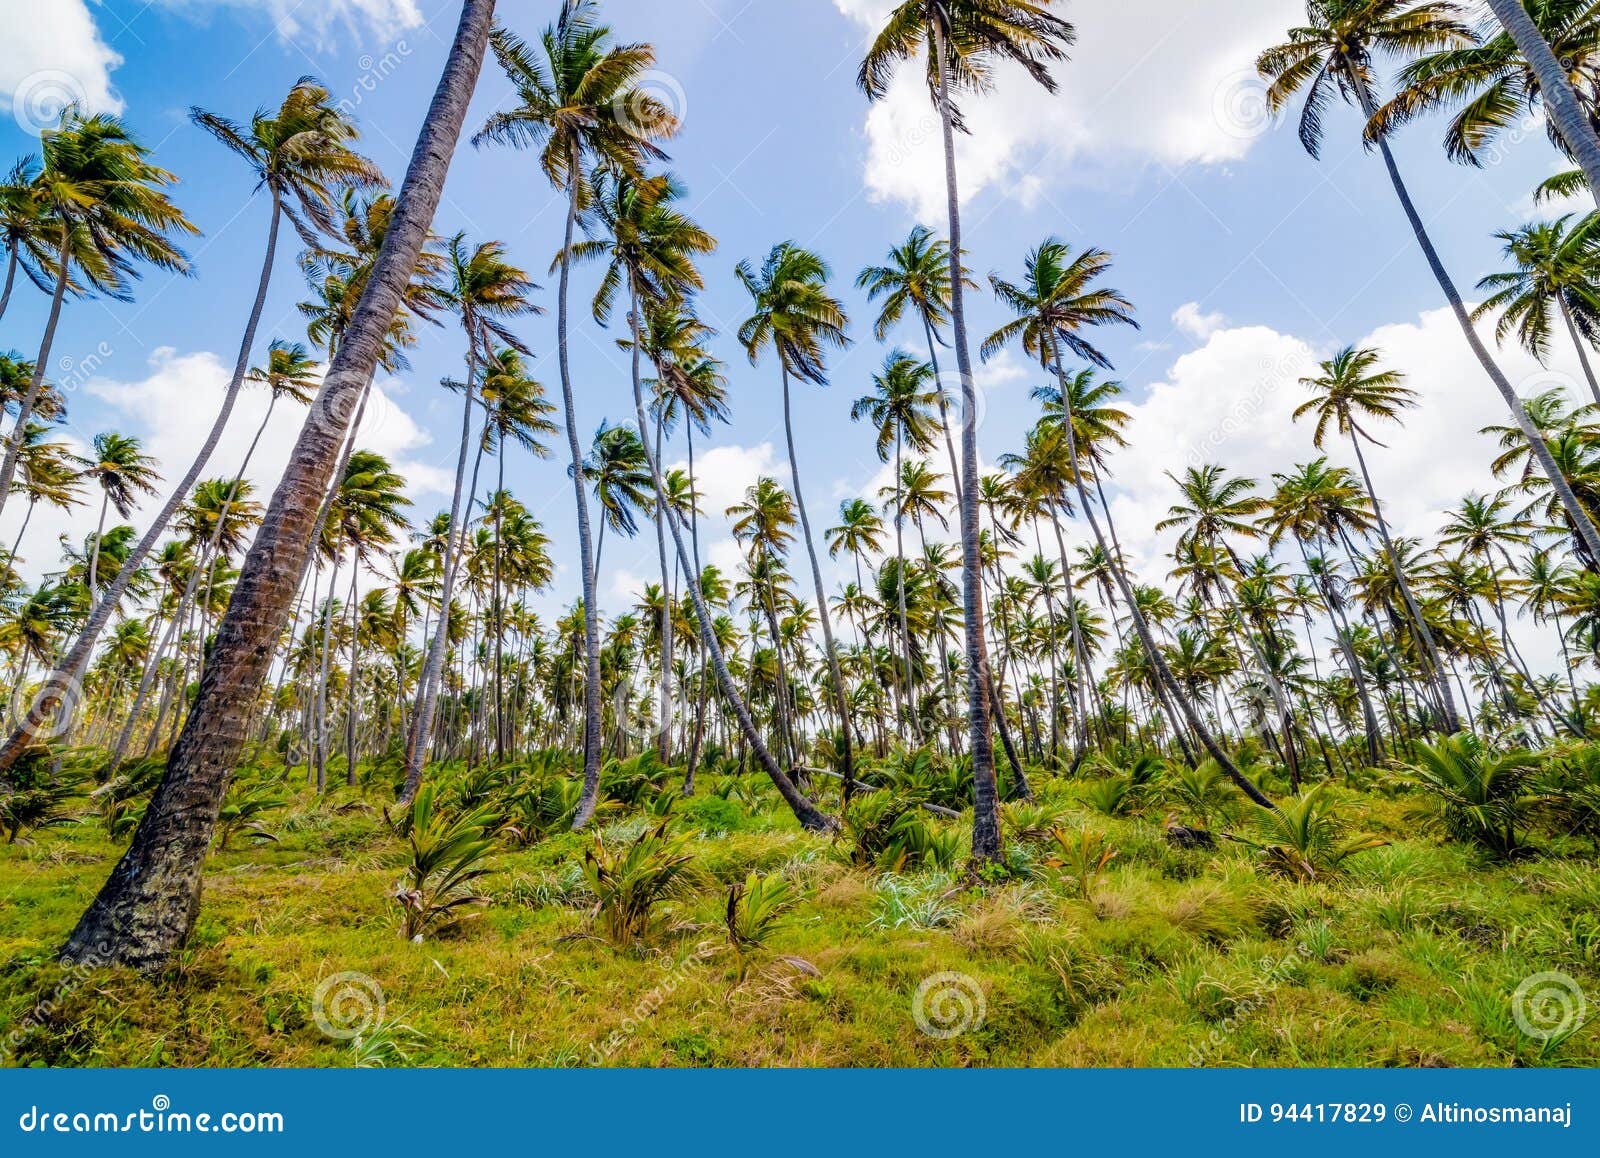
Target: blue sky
(1244,257)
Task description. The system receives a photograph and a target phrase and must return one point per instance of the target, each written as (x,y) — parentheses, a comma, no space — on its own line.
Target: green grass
(1408,956)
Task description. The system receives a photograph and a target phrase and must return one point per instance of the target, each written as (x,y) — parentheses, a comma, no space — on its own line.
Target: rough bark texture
(148,907)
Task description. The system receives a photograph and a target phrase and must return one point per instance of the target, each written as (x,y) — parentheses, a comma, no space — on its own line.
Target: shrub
(628,885)
(1305,839)
(1478,795)
(712,815)
(447,857)
(1083,855)
(757,907)
(38,799)
(241,816)
(894,834)
(1203,792)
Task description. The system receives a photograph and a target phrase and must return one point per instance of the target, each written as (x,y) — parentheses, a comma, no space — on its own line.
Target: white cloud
(1195,322)
(723,473)
(1152,80)
(52,55)
(295,17)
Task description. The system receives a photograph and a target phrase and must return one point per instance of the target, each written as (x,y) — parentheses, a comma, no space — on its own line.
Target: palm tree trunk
(908,691)
(149,905)
(19,433)
(455,540)
(1560,99)
(72,668)
(1440,681)
(1582,525)
(805,811)
(986,839)
(1578,345)
(589,560)
(94,552)
(11,278)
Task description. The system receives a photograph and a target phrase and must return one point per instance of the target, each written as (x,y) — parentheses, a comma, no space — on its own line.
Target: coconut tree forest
(989,761)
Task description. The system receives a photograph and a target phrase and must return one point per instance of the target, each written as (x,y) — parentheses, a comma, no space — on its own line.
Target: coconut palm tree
(149,905)
(487,293)
(579,102)
(123,472)
(24,232)
(915,279)
(1055,300)
(106,211)
(797,316)
(1352,389)
(964,39)
(899,408)
(1554,266)
(1333,53)
(47,473)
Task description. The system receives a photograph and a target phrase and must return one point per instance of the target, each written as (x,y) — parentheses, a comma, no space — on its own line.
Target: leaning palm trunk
(841,706)
(1582,525)
(805,812)
(433,670)
(1555,89)
(1142,628)
(1578,345)
(19,433)
(985,788)
(70,671)
(149,905)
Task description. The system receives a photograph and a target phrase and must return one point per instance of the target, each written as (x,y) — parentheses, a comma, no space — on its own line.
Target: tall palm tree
(106,211)
(650,247)
(964,39)
(1554,266)
(486,292)
(900,410)
(47,473)
(123,471)
(579,102)
(1056,299)
(799,318)
(915,279)
(1351,389)
(301,157)
(24,232)
(1334,53)
(149,905)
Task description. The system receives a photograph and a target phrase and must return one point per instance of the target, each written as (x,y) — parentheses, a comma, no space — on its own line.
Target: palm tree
(149,905)
(105,210)
(1055,300)
(916,279)
(616,468)
(964,39)
(579,101)
(899,408)
(48,473)
(123,472)
(486,291)
(800,319)
(301,157)
(23,229)
(1574,124)
(1553,266)
(1350,390)
(650,248)
(1334,53)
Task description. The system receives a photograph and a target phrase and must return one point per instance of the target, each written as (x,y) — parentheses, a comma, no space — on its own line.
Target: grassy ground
(1410,956)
